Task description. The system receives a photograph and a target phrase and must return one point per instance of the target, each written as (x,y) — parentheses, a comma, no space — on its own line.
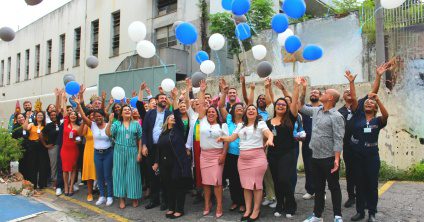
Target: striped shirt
(126,136)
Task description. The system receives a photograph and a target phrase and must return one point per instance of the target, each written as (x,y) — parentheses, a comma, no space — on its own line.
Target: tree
(204,19)
(345,6)
(10,150)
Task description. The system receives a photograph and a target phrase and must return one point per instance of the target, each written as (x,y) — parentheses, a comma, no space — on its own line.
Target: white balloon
(216,41)
(196,90)
(117,93)
(207,67)
(283,36)
(167,85)
(146,49)
(137,31)
(259,52)
(391,4)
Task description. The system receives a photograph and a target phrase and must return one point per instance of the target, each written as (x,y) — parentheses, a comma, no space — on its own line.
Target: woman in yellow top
(88,167)
(38,161)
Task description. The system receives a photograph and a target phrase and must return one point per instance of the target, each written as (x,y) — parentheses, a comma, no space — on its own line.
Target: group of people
(172,143)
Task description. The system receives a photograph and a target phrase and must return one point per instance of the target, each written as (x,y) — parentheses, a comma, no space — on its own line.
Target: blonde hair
(375,105)
(165,124)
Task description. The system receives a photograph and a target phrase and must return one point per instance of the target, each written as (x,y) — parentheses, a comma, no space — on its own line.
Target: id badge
(24,132)
(57,128)
(274,132)
(127,136)
(367,130)
(78,138)
(71,135)
(38,131)
(30,120)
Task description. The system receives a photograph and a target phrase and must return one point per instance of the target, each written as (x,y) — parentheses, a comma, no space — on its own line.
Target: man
(28,108)
(152,128)
(328,128)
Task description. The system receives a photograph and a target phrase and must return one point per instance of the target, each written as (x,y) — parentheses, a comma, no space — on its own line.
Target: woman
(252,162)
(182,106)
(173,161)
(48,138)
(213,153)
(282,156)
(38,161)
(366,126)
(19,132)
(127,152)
(50,108)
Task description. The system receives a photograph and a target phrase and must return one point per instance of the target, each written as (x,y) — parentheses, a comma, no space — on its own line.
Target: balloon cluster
(137,32)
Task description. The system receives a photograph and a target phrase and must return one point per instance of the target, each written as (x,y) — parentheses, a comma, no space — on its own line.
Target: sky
(16,14)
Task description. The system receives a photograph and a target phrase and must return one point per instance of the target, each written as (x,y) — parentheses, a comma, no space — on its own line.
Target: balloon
(283,36)
(137,31)
(292,44)
(133,101)
(72,88)
(391,4)
(216,41)
(207,67)
(196,78)
(146,49)
(295,8)
(117,101)
(67,78)
(243,31)
(264,69)
(239,18)
(72,102)
(33,2)
(176,24)
(259,52)
(201,56)
(7,34)
(240,7)
(226,4)
(280,23)
(92,62)
(167,85)
(196,90)
(117,93)
(186,33)
(312,52)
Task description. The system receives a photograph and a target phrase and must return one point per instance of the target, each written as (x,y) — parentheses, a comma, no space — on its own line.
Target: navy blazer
(148,124)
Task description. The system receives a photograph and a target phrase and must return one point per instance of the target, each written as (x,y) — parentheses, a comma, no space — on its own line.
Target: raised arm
(57,93)
(294,108)
(224,92)
(303,92)
(252,93)
(86,120)
(268,91)
(140,104)
(379,73)
(383,110)
(109,125)
(280,85)
(65,112)
(352,88)
(202,104)
(189,89)
(243,89)
(103,100)
(27,125)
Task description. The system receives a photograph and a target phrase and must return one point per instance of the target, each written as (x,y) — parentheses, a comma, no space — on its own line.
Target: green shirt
(126,136)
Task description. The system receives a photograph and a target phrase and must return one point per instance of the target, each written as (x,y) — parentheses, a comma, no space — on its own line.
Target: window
(61,52)
(18,67)
(166,6)
(49,57)
(37,61)
(9,67)
(165,37)
(116,21)
(26,64)
(77,46)
(95,38)
(2,72)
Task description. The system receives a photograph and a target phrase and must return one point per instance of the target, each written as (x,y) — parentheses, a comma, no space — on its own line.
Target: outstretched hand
(349,76)
(383,68)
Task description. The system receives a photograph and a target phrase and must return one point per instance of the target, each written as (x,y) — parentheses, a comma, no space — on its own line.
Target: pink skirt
(252,165)
(209,167)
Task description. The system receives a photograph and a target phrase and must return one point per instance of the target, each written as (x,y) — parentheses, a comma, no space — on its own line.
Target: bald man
(328,127)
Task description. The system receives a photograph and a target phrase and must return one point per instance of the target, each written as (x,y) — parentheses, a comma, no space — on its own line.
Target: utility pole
(379,31)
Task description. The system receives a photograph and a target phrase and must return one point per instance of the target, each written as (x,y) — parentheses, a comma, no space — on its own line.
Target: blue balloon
(240,7)
(280,23)
(72,102)
(72,88)
(243,31)
(294,8)
(117,101)
(292,44)
(227,4)
(201,56)
(133,101)
(186,33)
(312,52)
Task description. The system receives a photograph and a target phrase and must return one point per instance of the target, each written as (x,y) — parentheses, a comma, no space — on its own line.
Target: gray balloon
(7,34)
(33,2)
(176,24)
(92,62)
(264,69)
(239,18)
(67,78)
(196,78)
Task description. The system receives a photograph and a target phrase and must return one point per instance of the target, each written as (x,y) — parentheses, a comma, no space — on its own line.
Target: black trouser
(293,178)
(282,167)
(350,179)
(231,172)
(307,158)
(38,164)
(175,189)
(23,168)
(366,170)
(321,169)
(154,178)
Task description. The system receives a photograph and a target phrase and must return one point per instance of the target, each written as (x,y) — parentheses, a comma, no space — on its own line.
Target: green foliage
(10,150)
(345,6)
(260,14)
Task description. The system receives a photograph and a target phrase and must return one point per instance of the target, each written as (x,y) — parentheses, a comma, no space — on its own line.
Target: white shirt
(251,138)
(101,140)
(157,128)
(209,134)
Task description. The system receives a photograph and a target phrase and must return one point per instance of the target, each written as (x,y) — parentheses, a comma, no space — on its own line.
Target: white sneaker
(101,201)
(266,202)
(277,214)
(308,196)
(338,219)
(273,205)
(313,219)
(76,187)
(325,197)
(289,216)
(109,201)
(58,191)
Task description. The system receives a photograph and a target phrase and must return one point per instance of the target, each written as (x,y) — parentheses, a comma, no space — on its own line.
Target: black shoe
(244,218)
(350,202)
(151,205)
(163,207)
(358,217)
(371,218)
(176,217)
(254,219)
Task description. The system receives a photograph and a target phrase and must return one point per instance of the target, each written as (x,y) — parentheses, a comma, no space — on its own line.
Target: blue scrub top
(234,147)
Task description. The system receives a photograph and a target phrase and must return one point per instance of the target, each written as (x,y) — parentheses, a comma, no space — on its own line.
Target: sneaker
(89,197)
(76,187)
(308,196)
(313,219)
(273,205)
(267,202)
(338,219)
(58,191)
(325,197)
(101,201)
(109,201)
(277,214)
(289,216)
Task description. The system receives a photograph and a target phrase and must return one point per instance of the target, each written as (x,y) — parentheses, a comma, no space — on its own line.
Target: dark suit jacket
(148,124)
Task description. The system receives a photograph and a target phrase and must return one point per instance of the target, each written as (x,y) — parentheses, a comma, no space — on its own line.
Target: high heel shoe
(245,218)
(206,212)
(254,219)
(218,215)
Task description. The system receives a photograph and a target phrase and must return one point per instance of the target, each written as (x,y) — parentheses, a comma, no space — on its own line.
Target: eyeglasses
(281,104)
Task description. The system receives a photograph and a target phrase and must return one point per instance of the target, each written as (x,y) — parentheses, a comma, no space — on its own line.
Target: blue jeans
(104,163)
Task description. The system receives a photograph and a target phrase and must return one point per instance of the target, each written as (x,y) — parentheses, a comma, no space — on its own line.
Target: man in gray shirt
(328,129)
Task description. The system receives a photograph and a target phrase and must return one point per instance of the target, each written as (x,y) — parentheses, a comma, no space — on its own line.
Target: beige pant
(53,162)
(269,185)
